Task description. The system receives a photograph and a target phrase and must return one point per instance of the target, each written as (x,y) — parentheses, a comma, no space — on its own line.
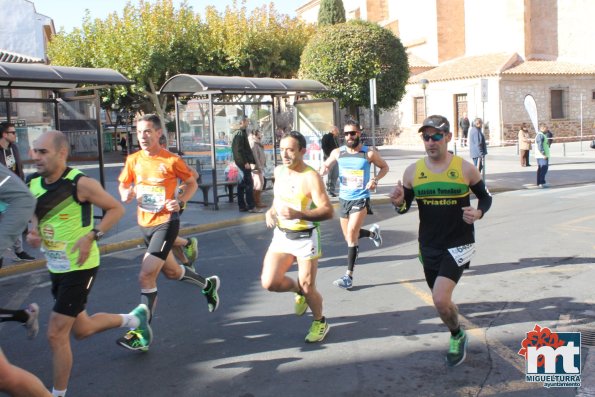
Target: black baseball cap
(436,121)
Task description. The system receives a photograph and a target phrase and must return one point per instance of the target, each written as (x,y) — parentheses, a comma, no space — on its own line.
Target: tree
(346,56)
(147,44)
(331,12)
(261,44)
(151,42)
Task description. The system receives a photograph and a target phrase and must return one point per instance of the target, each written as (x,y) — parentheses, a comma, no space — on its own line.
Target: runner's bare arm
(324,209)
(375,158)
(89,190)
(328,163)
(126,191)
(271,214)
(190,187)
(402,195)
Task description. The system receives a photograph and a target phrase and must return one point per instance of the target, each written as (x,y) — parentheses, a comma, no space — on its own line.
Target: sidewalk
(568,166)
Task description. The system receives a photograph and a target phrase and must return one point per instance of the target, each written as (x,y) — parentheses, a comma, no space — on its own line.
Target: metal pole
(581,122)
(274,121)
(178,133)
(213,152)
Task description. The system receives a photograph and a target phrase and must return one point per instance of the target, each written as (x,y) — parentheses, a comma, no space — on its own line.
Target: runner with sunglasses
(441,183)
(355,183)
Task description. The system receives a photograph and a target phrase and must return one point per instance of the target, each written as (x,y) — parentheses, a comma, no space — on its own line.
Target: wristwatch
(98,234)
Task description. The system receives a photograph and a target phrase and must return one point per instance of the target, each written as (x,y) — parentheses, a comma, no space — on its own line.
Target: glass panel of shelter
(195,136)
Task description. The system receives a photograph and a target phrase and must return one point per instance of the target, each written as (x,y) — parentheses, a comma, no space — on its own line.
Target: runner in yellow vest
(63,227)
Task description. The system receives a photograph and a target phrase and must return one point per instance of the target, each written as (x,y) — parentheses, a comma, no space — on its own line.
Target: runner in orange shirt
(151,177)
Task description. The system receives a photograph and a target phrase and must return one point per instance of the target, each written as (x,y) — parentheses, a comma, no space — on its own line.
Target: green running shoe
(210,292)
(133,340)
(458,349)
(191,251)
(142,313)
(300,304)
(318,331)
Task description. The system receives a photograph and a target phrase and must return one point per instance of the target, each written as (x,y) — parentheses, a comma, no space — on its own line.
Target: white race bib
(55,254)
(353,179)
(462,254)
(150,198)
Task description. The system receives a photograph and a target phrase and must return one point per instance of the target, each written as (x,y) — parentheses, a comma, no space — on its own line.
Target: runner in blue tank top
(354,161)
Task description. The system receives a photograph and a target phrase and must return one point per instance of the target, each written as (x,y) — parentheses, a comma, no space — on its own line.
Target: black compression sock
(364,233)
(456,332)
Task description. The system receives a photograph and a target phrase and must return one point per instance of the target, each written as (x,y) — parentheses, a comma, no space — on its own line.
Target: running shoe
(32,323)
(458,349)
(142,313)
(133,340)
(318,331)
(191,251)
(210,292)
(344,282)
(23,256)
(300,304)
(375,231)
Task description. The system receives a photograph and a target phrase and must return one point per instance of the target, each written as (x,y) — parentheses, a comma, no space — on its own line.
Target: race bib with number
(353,179)
(55,254)
(150,198)
(462,254)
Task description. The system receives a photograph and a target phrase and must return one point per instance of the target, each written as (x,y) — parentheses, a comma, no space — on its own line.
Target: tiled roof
(550,67)
(417,62)
(469,67)
(11,57)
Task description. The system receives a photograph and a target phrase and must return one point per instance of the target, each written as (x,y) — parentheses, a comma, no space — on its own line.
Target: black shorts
(70,290)
(348,207)
(439,262)
(160,239)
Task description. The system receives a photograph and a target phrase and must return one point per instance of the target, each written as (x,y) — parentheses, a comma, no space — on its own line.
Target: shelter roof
(13,57)
(195,84)
(39,76)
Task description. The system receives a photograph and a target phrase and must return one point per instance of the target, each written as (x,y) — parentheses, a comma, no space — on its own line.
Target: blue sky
(69,13)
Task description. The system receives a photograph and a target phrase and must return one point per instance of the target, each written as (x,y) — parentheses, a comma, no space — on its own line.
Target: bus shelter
(208,109)
(39,98)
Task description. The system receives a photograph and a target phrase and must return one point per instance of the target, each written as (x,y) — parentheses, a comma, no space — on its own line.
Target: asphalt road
(534,265)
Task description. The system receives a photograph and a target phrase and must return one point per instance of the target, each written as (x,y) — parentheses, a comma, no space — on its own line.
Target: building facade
(482,57)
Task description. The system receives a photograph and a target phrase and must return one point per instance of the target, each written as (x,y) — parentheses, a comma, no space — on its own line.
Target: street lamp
(424,84)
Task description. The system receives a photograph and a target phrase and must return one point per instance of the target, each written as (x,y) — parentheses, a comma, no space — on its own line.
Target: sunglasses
(350,132)
(435,138)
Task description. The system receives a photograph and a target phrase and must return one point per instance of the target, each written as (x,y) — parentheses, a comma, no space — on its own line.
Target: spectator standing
(524,145)
(244,159)
(123,144)
(549,136)
(259,166)
(10,157)
(330,142)
(464,124)
(477,144)
(543,155)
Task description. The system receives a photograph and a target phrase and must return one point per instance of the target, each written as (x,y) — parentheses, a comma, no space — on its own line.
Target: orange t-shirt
(156,180)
